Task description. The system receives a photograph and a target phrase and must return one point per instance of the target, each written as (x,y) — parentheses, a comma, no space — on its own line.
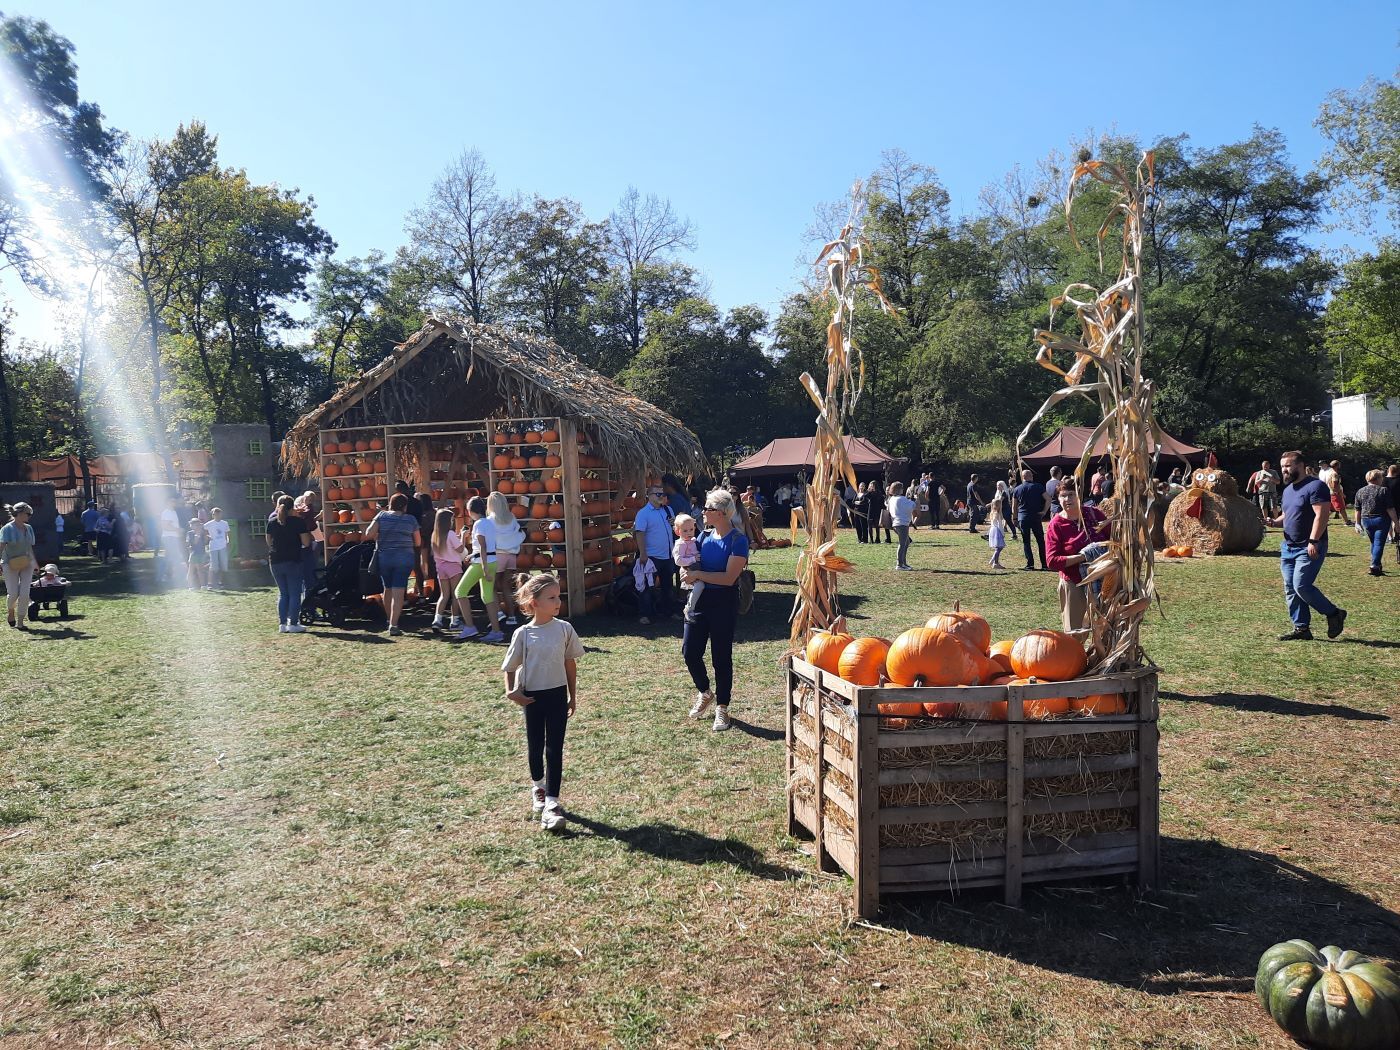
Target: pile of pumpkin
(956,649)
(1180,550)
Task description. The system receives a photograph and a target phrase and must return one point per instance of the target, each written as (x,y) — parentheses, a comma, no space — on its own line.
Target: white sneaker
(721,720)
(295,628)
(536,799)
(552,818)
(455,624)
(511,621)
(702,704)
(439,623)
(281,628)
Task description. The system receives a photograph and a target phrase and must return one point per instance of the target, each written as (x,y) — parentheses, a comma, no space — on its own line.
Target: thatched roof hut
(453,369)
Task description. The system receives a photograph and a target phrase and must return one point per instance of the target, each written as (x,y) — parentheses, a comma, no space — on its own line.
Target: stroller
(42,595)
(342,589)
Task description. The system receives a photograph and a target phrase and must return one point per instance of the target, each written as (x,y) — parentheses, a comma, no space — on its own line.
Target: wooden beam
(573,516)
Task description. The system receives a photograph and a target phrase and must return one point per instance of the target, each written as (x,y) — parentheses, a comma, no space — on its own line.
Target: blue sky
(745,115)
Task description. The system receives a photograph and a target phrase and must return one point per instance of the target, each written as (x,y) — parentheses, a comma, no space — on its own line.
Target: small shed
(461,409)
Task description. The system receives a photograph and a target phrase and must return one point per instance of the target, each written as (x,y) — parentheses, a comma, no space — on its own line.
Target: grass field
(213,835)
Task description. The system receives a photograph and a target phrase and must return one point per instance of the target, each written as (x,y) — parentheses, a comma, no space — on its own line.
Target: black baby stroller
(342,589)
(42,595)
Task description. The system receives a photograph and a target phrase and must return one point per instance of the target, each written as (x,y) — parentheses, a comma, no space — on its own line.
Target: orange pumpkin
(559,559)
(536,462)
(550,435)
(1002,660)
(518,462)
(532,437)
(362,445)
(381,488)
(366,513)
(922,656)
(552,460)
(862,662)
(505,486)
(500,461)
(376,444)
(329,448)
(1041,709)
(1100,704)
(335,539)
(824,650)
(539,509)
(332,470)
(536,487)
(345,516)
(499,438)
(556,533)
(902,710)
(518,511)
(968,626)
(1051,656)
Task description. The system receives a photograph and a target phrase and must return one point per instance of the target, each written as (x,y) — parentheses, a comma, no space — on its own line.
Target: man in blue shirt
(1028,499)
(1307,506)
(653,533)
(89,521)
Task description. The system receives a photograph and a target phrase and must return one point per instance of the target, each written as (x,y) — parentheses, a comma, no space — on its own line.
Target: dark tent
(786,456)
(1065,447)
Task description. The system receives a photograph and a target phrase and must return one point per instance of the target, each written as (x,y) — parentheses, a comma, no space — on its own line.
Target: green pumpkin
(1330,999)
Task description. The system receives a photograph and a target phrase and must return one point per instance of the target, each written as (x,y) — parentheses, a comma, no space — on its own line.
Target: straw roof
(455,369)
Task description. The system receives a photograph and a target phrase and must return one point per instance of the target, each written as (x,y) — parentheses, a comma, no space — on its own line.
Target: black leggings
(716,613)
(545,722)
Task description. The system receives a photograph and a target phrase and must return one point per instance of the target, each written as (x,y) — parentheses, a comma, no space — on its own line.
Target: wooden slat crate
(951,804)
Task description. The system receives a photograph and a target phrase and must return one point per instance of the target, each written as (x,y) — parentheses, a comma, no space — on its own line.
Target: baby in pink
(685,552)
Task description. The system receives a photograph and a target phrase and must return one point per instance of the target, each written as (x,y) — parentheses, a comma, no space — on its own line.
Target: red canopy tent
(789,455)
(1065,448)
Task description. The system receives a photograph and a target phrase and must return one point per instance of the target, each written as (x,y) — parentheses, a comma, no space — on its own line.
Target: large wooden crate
(949,804)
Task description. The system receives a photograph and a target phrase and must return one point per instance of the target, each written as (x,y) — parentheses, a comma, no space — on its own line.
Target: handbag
(19,563)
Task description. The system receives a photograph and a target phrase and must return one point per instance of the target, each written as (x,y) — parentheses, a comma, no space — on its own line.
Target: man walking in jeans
(1028,499)
(1307,506)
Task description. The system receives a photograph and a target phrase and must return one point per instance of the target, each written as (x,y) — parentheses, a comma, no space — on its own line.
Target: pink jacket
(1065,537)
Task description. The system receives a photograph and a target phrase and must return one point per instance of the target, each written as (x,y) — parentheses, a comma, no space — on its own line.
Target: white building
(1364,418)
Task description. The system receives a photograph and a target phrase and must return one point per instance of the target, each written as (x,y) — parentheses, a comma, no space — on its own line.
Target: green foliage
(1363,323)
(710,373)
(1363,162)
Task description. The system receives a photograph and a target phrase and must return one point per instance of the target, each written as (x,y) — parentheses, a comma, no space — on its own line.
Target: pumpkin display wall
(1212,518)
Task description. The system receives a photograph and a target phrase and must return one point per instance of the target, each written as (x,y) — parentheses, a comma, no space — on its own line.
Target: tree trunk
(158,437)
(11,462)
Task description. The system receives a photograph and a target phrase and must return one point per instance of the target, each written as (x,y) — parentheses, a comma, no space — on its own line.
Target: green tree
(557,263)
(343,305)
(644,233)
(1363,324)
(1363,162)
(707,371)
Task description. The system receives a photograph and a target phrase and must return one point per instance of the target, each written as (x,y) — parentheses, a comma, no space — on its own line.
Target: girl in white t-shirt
(481,572)
(541,674)
(509,537)
(446,545)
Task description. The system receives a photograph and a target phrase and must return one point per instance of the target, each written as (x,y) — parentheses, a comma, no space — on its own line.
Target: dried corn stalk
(1111,341)
(817,605)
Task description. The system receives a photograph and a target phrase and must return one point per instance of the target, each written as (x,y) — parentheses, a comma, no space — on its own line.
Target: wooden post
(1015,792)
(573,516)
(867,800)
(825,862)
(787,736)
(1148,860)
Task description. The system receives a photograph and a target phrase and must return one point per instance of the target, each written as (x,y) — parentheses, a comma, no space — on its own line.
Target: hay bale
(1213,479)
(1227,524)
(1157,509)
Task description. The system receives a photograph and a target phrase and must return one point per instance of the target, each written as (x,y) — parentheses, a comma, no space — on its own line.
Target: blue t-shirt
(655,528)
(1030,499)
(395,530)
(680,503)
(1298,502)
(716,552)
(89,519)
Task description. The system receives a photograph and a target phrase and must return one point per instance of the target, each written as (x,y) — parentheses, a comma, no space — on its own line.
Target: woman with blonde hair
(447,551)
(724,552)
(509,537)
(17,559)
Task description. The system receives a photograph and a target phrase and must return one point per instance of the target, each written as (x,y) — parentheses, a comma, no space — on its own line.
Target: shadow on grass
(757,732)
(668,842)
(1374,643)
(766,621)
(1274,705)
(1204,932)
(46,633)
